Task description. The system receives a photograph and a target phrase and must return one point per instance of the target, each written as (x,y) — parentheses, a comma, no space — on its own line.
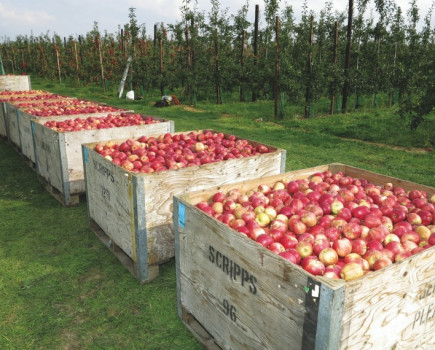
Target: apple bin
(19,125)
(233,293)
(8,96)
(58,155)
(132,212)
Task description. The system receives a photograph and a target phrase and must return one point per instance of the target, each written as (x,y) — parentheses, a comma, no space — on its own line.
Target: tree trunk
(346,86)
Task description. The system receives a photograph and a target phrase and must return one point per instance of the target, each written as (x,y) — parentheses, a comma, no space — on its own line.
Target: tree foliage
(205,54)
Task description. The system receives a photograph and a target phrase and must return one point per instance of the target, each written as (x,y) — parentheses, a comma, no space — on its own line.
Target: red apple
(381,263)
(291,255)
(359,246)
(315,267)
(289,241)
(343,246)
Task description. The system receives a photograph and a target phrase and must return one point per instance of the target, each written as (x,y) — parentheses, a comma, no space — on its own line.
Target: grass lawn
(62,289)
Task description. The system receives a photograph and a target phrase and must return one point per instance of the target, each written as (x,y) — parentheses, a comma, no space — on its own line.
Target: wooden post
(162,87)
(346,86)
(189,66)
(257,16)
(276,85)
(218,85)
(309,88)
(101,62)
(122,41)
(77,62)
(334,62)
(81,49)
(242,65)
(56,50)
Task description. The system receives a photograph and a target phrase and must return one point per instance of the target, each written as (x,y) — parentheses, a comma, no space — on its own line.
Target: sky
(74,17)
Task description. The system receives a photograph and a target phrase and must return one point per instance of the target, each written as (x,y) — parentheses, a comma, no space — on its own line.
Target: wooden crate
(134,211)
(15,82)
(235,294)
(17,125)
(58,156)
(5,99)
(20,132)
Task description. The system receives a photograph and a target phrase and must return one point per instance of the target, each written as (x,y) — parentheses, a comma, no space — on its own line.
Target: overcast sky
(74,17)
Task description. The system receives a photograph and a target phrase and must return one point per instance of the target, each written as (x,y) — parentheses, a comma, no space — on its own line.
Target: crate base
(198,331)
(74,199)
(124,259)
(28,162)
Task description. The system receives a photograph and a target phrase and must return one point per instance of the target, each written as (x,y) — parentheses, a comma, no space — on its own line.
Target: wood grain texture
(109,200)
(48,155)
(15,83)
(12,125)
(384,308)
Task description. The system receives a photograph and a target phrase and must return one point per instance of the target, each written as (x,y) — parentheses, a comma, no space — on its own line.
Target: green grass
(60,287)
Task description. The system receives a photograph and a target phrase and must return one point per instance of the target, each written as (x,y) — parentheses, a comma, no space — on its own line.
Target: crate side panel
(48,155)
(160,243)
(3,132)
(13,125)
(14,82)
(109,200)
(266,311)
(26,137)
(393,307)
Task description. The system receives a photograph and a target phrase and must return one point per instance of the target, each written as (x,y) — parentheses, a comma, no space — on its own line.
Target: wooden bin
(15,82)
(11,97)
(11,121)
(235,294)
(58,156)
(19,126)
(132,212)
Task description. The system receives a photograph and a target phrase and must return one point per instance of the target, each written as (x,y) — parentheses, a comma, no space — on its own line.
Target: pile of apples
(104,122)
(36,97)
(65,102)
(149,154)
(11,96)
(66,107)
(331,225)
